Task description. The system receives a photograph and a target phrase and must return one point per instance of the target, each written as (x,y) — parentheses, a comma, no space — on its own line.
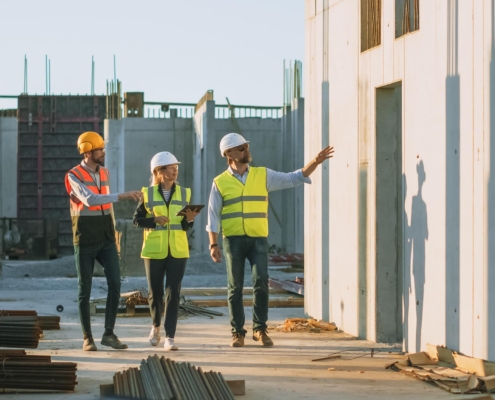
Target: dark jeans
(156,270)
(236,250)
(106,254)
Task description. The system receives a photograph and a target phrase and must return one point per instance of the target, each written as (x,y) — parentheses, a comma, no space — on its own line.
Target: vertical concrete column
(204,157)
(114,133)
(288,210)
(8,167)
(297,129)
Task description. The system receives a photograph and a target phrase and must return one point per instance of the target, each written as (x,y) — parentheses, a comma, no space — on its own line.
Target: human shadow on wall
(418,235)
(452,182)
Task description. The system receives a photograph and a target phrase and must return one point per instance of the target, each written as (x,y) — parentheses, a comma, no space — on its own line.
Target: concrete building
(401,223)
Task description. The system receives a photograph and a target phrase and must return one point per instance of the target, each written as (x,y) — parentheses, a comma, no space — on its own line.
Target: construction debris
(198,302)
(449,370)
(47,323)
(163,378)
(21,371)
(20,331)
(338,355)
(286,259)
(295,286)
(304,325)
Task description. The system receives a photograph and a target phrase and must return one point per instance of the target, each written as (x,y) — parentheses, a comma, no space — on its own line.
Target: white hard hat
(231,140)
(163,158)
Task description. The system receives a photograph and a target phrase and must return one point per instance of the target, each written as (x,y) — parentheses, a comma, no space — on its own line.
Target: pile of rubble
(304,325)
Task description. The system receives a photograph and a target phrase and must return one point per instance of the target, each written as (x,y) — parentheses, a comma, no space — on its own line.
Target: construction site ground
(282,372)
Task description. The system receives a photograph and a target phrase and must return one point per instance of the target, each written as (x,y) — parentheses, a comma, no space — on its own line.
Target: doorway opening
(389,213)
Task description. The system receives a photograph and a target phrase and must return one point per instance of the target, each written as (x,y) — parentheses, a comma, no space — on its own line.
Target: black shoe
(113,341)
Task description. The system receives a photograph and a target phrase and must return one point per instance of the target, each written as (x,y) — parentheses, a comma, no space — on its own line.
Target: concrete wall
(132,142)
(8,167)
(446,72)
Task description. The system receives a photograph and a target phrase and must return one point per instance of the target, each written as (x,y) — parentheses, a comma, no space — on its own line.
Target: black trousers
(156,271)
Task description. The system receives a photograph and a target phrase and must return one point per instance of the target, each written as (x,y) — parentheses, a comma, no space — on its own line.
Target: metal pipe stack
(21,371)
(20,331)
(47,323)
(164,379)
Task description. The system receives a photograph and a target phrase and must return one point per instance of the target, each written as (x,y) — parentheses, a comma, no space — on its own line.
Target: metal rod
(187,387)
(199,382)
(192,381)
(147,380)
(207,384)
(162,377)
(177,378)
(225,386)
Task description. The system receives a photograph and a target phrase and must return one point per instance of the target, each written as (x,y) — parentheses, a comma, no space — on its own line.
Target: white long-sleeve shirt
(274,181)
(87,197)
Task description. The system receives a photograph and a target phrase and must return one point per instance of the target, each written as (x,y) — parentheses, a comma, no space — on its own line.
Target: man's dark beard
(100,161)
(246,159)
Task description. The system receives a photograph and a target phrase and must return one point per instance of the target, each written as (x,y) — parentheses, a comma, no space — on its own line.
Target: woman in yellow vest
(165,245)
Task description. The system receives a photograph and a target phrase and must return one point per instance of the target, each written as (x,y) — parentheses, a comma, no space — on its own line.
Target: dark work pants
(106,254)
(236,250)
(173,270)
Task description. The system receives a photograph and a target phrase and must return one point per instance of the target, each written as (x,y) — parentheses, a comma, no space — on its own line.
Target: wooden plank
(222,291)
(275,303)
(238,387)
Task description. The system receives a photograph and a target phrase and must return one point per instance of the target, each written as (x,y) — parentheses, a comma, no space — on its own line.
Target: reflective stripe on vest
(158,241)
(245,207)
(77,207)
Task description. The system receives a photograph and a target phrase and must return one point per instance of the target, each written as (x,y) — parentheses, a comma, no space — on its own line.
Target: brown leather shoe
(237,340)
(89,345)
(262,337)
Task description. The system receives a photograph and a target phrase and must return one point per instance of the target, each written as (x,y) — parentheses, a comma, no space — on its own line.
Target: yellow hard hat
(88,141)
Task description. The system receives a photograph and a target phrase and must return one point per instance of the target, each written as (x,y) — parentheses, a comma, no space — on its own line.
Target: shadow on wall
(452,184)
(490,223)
(417,235)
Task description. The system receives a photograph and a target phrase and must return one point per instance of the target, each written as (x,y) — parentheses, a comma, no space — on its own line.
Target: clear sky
(173,50)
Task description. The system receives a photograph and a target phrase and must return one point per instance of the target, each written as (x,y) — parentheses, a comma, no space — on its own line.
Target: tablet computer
(197,207)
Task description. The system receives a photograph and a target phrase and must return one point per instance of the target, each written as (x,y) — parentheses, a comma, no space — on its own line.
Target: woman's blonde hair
(154,177)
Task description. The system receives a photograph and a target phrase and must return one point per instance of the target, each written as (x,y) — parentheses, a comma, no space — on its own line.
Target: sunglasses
(241,148)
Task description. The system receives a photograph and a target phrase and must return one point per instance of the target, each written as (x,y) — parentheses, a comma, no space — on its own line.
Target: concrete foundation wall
(446,72)
(8,167)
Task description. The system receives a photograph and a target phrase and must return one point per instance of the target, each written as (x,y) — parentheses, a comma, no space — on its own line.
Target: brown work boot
(89,345)
(237,340)
(262,337)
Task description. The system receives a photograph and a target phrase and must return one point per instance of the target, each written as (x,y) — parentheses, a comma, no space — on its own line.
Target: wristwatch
(213,245)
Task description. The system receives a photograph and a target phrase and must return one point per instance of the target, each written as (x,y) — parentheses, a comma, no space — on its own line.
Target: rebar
(174,385)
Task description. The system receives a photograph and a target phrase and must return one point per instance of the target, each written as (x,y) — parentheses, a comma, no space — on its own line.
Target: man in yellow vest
(239,200)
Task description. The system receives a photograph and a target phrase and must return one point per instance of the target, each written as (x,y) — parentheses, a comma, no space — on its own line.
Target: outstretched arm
(323,155)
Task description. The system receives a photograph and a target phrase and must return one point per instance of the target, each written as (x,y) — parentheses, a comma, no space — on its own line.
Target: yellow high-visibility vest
(158,241)
(245,207)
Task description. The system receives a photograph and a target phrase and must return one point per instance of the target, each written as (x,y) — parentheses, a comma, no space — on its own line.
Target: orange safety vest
(77,208)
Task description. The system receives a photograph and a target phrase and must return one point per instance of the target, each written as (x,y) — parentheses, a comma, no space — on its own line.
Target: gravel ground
(60,274)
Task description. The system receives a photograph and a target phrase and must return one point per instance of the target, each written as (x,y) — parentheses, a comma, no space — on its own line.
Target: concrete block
(8,167)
